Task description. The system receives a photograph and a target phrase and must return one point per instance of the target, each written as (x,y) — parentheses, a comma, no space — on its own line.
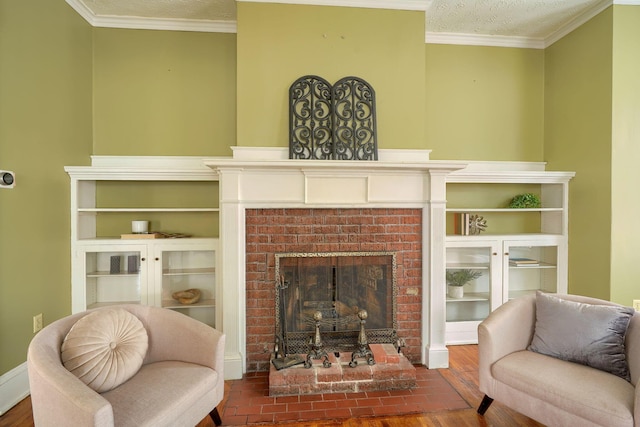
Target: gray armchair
(180,382)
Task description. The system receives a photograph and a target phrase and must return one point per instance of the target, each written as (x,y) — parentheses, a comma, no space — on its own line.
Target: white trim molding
(422,5)
(577,22)
(14,386)
(483,40)
(142,23)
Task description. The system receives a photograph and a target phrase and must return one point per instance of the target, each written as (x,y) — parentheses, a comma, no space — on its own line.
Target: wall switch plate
(636,304)
(37,323)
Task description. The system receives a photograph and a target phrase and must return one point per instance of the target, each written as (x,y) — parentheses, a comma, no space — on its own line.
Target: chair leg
(215,416)
(484,405)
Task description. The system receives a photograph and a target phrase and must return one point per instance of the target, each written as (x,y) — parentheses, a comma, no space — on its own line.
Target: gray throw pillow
(588,334)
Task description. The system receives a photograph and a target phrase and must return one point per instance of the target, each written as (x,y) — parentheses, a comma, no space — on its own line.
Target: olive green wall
(577,137)
(45,124)
(66,86)
(625,173)
(484,103)
(164,93)
(279,43)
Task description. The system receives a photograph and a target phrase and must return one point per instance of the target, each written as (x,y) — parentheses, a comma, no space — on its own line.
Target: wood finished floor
(462,375)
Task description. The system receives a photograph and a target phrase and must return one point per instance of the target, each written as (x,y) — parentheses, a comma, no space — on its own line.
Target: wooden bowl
(189,296)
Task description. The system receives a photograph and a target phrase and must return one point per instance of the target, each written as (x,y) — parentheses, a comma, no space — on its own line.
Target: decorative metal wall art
(332,123)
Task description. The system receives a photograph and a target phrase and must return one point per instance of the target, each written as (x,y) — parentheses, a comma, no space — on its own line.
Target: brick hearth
(392,371)
(271,231)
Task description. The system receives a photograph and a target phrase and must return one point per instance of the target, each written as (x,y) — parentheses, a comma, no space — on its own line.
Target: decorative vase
(455,291)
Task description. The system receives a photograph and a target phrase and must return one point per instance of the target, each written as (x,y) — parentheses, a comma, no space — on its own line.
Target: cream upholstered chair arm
(508,329)
(68,401)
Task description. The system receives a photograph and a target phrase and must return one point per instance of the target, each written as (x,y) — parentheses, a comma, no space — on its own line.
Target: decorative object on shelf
(332,123)
(133,264)
(114,264)
(461,224)
(526,200)
(139,227)
(189,296)
(456,279)
(523,262)
(477,224)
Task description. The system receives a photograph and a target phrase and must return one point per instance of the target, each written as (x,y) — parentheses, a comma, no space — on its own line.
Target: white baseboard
(233,366)
(14,386)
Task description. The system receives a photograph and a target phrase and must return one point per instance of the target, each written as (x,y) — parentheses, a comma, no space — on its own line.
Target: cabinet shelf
(107,304)
(173,304)
(470,297)
(108,274)
(467,266)
(187,271)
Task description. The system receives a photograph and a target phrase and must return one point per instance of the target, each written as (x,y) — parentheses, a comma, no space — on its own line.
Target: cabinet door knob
(142,259)
(157,259)
(506,253)
(495,253)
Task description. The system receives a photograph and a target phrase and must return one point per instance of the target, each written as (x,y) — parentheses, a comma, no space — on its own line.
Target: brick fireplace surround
(271,204)
(271,231)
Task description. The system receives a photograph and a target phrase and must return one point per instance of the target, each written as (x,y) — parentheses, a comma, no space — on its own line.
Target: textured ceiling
(513,18)
(526,19)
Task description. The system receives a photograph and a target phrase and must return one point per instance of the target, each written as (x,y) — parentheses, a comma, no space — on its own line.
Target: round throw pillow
(105,348)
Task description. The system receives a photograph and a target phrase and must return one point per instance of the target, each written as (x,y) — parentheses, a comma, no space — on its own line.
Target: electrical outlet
(37,322)
(636,304)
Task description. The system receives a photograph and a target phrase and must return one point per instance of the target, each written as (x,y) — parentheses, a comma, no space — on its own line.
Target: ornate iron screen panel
(337,285)
(332,123)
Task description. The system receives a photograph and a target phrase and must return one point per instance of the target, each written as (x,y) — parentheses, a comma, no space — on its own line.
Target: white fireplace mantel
(259,177)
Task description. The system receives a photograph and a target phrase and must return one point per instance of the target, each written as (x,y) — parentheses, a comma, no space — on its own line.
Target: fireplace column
(232,276)
(435,353)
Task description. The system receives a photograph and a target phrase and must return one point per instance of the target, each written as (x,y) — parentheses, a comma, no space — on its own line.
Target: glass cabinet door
(530,266)
(191,272)
(473,300)
(115,275)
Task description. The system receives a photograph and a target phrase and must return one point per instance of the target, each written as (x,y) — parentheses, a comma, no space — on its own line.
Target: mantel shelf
(509,210)
(80,210)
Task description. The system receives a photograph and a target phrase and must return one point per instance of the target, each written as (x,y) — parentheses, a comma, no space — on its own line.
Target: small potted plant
(456,279)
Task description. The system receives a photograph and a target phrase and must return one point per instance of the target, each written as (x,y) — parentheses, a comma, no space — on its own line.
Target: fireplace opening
(337,285)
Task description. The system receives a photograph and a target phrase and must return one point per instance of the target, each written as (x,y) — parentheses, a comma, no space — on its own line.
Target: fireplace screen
(337,285)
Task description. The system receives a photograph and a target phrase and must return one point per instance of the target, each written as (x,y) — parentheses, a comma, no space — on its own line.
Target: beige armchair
(180,382)
(552,391)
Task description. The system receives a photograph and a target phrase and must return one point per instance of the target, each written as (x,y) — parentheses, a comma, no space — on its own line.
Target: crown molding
(421,5)
(139,23)
(136,23)
(577,22)
(483,40)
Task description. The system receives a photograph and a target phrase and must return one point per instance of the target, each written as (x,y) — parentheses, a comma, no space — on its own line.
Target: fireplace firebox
(337,286)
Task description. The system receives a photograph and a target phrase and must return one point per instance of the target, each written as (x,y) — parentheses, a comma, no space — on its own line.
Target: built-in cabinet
(110,266)
(108,272)
(537,237)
